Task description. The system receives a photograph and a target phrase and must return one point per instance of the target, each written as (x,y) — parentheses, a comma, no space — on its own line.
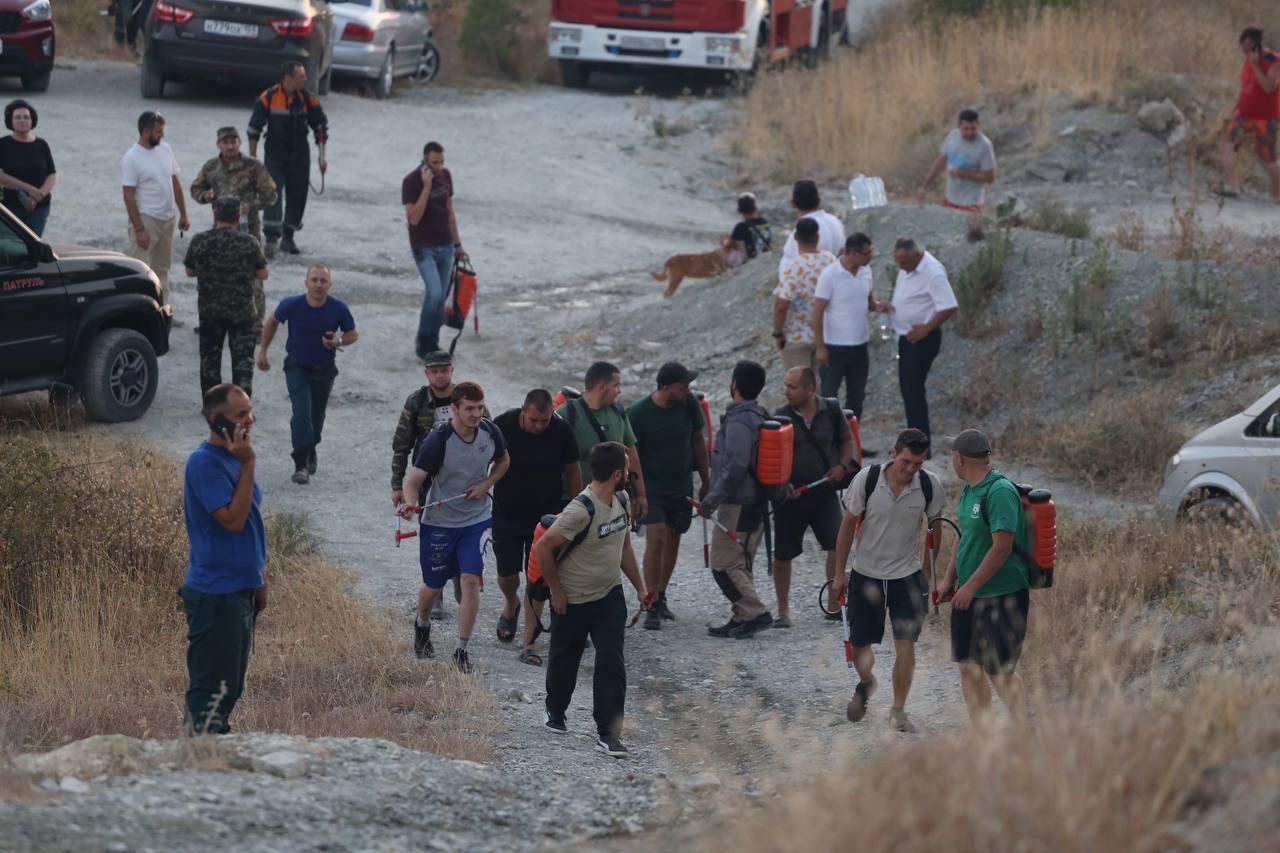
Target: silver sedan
(1231,471)
(380,40)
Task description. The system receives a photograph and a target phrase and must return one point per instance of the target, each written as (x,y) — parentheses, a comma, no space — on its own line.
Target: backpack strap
(435,460)
(591,418)
(873,477)
(926,486)
(1018,550)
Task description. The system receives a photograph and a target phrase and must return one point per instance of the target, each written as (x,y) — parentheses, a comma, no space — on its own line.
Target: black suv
(79,321)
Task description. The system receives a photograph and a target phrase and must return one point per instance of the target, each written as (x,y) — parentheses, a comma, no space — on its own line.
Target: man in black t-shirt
(544,458)
(752,233)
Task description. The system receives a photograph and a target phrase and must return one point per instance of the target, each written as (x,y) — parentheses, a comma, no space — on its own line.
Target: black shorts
(512,537)
(906,600)
(818,511)
(674,512)
(991,632)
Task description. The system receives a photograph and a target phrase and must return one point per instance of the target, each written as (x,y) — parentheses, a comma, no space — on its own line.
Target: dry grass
(882,110)
(92,540)
(84,33)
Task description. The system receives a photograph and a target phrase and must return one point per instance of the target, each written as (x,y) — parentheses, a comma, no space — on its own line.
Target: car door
(34,322)
(412,34)
(1262,471)
(395,29)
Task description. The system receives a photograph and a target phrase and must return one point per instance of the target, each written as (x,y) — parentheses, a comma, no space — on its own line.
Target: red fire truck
(734,36)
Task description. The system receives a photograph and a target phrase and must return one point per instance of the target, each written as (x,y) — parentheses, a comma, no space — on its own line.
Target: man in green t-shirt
(989,581)
(668,425)
(597,416)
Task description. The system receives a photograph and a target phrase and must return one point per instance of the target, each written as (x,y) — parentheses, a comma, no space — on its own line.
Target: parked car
(380,40)
(238,40)
(79,321)
(1231,471)
(27,42)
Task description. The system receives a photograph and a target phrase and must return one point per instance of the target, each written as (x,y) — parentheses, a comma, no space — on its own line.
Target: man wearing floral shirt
(793,298)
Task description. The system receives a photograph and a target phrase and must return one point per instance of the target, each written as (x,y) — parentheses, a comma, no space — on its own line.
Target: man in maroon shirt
(427,195)
(1257,113)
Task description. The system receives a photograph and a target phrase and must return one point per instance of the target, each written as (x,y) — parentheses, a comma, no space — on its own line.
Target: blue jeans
(309,389)
(435,264)
(34,219)
(219,639)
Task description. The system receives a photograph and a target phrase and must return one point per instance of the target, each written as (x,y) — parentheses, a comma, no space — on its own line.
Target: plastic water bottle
(866,192)
(881,198)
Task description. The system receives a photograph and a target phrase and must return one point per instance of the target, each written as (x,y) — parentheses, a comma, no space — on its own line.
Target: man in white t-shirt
(153,198)
(808,205)
(969,159)
(922,302)
(793,297)
(840,330)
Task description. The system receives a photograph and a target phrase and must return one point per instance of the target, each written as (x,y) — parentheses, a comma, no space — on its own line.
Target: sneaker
(312,463)
(612,747)
(301,477)
(288,246)
(783,621)
(652,620)
(900,722)
(755,626)
(857,707)
(437,612)
(422,641)
(555,723)
(724,630)
(663,610)
(461,661)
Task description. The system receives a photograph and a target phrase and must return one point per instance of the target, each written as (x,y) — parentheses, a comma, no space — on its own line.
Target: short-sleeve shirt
(754,235)
(830,234)
(226,263)
(455,464)
(1004,513)
(888,544)
(797,283)
(829,428)
(532,486)
(975,155)
(150,171)
(220,561)
(30,162)
(307,327)
(594,567)
(664,441)
(433,228)
(919,294)
(614,423)
(844,323)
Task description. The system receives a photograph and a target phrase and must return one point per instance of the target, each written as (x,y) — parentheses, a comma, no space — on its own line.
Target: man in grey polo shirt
(885,510)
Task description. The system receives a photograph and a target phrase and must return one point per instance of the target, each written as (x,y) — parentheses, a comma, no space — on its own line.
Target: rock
(704,781)
(284,763)
(72,785)
(94,756)
(1163,119)
(517,695)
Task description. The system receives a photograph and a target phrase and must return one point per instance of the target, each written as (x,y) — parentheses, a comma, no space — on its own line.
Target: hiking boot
(301,477)
(755,626)
(663,610)
(612,747)
(783,621)
(857,707)
(724,630)
(422,647)
(288,246)
(652,620)
(270,248)
(461,661)
(437,612)
(312,463)
(900,722)
(555,722)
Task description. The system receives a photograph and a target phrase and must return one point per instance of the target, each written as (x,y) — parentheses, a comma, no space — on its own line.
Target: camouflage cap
(226,208)
(227,133)
(437,358)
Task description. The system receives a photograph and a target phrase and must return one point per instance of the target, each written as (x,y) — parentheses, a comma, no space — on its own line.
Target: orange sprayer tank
(857,435)
(534,573)
(706,419)
(1042,521)
(565,393)
(773,456)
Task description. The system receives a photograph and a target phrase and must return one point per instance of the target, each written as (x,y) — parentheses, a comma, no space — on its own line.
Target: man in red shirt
(1257,113)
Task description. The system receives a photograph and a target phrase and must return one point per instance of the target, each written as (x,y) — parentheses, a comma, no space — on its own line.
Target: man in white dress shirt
(922,302)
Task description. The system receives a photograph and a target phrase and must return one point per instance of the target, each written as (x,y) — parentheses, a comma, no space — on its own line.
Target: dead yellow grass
(93,545)
(881,110)
(83,33)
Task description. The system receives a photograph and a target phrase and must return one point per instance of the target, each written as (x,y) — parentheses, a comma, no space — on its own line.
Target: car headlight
(38,11)
(565,35)
(1175,460)
(722,44)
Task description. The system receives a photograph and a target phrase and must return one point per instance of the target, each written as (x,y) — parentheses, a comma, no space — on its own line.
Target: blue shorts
(447,551)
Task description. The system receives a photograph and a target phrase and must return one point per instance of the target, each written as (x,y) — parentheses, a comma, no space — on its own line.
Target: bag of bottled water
(867,192)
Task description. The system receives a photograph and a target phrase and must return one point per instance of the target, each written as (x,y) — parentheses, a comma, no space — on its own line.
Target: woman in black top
(26,167)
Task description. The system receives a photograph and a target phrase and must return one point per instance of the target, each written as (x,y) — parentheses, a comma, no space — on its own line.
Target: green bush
(491,31)
(978,283)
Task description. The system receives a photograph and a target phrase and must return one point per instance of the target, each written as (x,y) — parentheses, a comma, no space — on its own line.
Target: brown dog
(706,265)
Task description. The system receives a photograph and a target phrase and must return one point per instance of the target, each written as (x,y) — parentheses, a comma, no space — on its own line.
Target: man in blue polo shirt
(225,588)
(318,325)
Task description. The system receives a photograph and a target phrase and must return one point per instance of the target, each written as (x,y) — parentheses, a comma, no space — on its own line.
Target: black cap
(438,358)
(226,208)
(972,443)
(673,372)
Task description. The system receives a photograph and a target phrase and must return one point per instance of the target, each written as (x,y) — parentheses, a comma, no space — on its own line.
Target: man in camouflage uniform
(233,173)
(229,269)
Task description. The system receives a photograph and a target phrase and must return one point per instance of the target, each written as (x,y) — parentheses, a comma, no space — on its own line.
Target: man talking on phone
(427,195)
(225,587)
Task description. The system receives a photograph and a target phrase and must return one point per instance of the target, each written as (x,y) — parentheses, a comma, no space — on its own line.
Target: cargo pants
(729,565)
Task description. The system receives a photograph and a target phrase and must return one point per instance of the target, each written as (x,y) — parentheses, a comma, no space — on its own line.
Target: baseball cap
(972,443)
(227,132)
(226,208)
(674,371)
(437,358)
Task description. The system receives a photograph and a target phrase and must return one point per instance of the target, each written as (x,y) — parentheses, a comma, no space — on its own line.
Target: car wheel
(36,82)
(575,75)
(152,79)
(1218,511)
(120,376)
(428,64)
(386,76)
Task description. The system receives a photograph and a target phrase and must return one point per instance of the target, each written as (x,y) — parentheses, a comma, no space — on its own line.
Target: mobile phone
(224,425)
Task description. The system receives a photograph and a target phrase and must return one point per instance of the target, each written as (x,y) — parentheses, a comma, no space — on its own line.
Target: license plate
(643,43)
(231,29)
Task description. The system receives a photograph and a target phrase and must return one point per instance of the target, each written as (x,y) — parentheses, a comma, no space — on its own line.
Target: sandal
(507,627)
(530,657)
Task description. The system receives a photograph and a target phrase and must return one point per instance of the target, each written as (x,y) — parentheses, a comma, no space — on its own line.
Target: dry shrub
(92,540)
(493,38)
(85,33)
(1130,232)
